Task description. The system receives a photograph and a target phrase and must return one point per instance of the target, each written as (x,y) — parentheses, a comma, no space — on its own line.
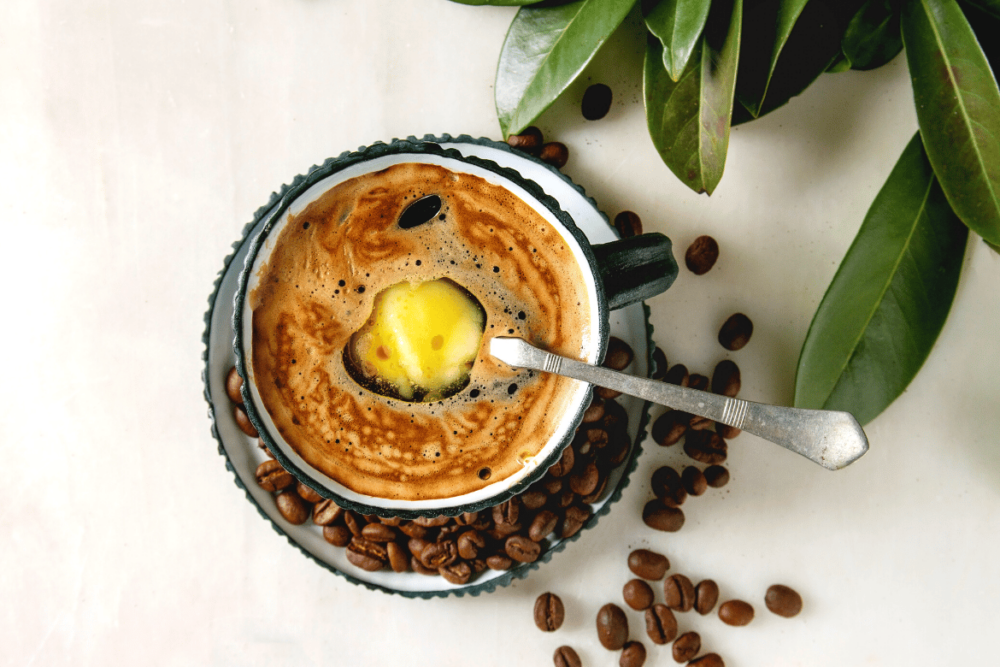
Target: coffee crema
(317,288)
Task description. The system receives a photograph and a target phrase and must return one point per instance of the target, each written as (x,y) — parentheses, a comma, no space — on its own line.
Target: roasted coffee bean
(701,255)
(521,549)
(431,521)
(354,522)
(573,521)
(502,531)
(564,465)
(678,374)
(549,612)
(585,479)
(596,102)
(594,411)
(619,354)
(534,499)
(555,153)
(617,449)
(379,532)
(667,485)
(726,378)
(637,594)
(449,532)
(633,655)
(411,529)
(694,481)
(325,512)
(244,422)
(612,627)
(736,612)
(272,477)
(367,555)
(659,364)
(466,518)
(699,423)
(420,568)
(543,524)
(439,554)
(736,332)
(469,543)
(597,437)
(678,592)
(529,141)
(628,224)
(670,427)
(564,498)
(699,382)
(595,495)
(607,394)
(457,573)
(660,516)
(552,485)
(565,656)
(648,564)
(707,660)
(291,507)
(726,431)
(498,562)
(416,545)
(706,447)
(706,594)
(686,646)
(716,476)
(338,536)
(307,494)
(661,624)
(615,418)
(783,601)
(233,385)
(399,559)
(507,511)
(263,446)
(478,565)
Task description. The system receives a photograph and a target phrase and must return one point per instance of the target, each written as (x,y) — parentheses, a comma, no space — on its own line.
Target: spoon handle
(831,439)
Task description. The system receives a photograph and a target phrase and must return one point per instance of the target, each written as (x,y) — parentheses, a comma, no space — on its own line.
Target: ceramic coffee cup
(613,275)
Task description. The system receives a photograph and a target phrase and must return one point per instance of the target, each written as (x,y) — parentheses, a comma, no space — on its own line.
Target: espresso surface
(317,289)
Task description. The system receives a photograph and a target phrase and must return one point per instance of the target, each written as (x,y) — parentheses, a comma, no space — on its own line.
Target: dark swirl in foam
(317,287)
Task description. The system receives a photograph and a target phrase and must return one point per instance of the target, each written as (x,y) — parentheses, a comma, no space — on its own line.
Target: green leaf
(872,37)
(678,25)
(840,63)
(498,3)
(958,109)
(545,49)
(888,300)
(689,119)
(787,44)
(990,6)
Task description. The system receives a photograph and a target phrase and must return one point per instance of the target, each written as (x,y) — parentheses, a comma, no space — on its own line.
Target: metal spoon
(831,439)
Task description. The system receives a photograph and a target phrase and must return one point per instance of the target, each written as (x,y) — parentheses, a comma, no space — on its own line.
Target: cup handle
(635,268)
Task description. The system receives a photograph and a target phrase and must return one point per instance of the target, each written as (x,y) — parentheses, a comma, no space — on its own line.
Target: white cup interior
(589,349)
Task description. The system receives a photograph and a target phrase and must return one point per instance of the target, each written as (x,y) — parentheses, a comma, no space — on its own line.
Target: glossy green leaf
(872,37)
(545,49)
(840,64)
(958,109)
(990,6)
(689,119)
(888,300)
(498,3)
(678,24)
(787,44)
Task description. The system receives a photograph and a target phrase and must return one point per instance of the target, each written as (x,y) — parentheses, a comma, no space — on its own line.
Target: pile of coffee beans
(532,142)
(459,548)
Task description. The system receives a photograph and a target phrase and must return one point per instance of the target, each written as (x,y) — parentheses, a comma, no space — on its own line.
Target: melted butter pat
(421,338)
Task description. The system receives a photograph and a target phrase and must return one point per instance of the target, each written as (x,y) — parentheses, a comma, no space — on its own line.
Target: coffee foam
(317,287)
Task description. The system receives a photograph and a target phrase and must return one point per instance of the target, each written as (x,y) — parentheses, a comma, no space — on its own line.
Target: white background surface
(137,138)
